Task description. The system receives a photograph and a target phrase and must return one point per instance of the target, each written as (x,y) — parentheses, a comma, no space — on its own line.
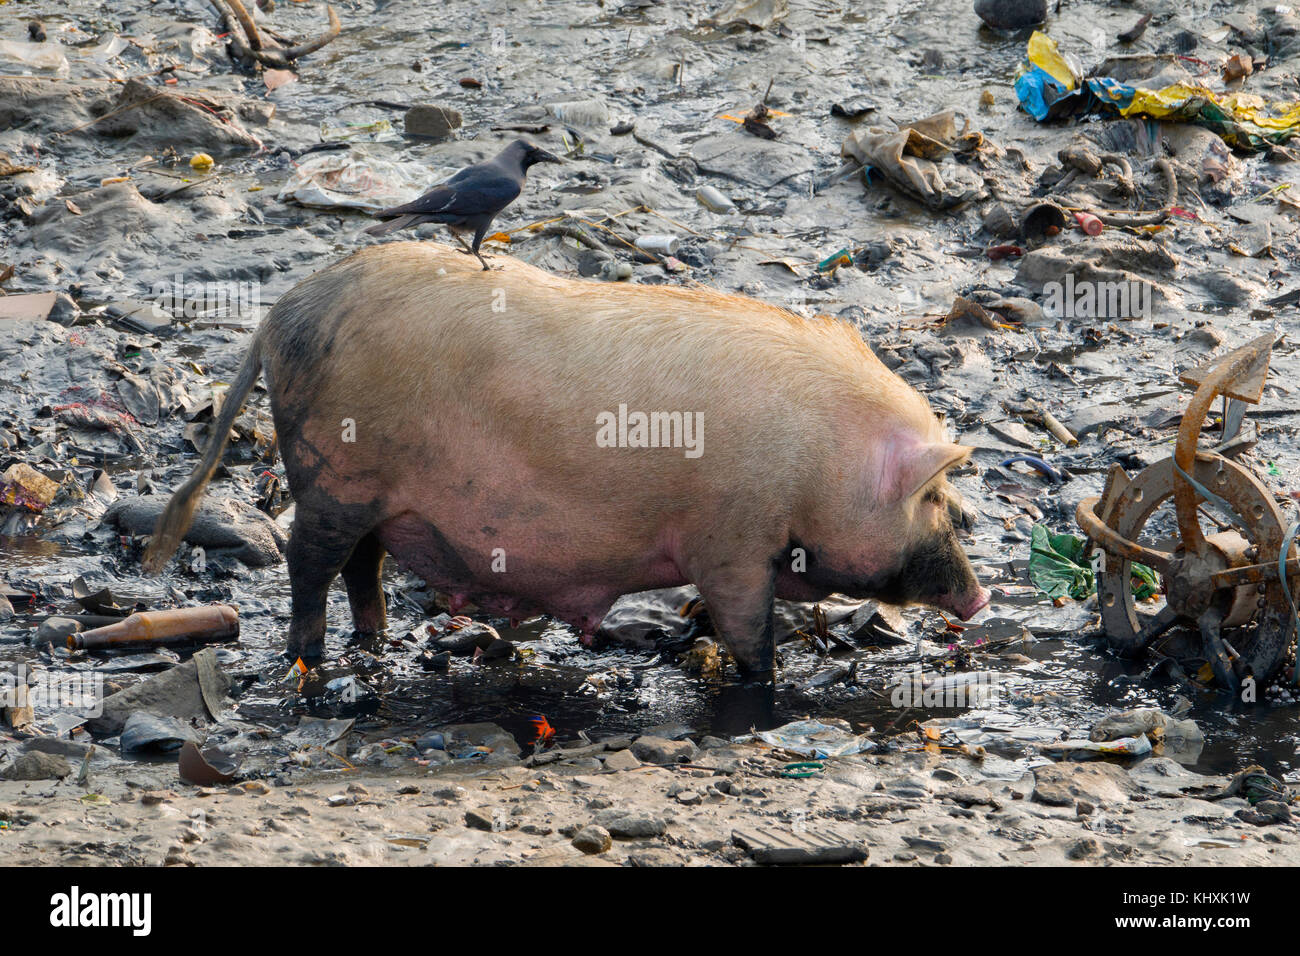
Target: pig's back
(417,332)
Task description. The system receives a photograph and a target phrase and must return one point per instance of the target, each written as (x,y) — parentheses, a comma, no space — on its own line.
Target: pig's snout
(967,605)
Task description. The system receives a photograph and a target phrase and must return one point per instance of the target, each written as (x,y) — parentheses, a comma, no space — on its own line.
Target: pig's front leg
(740,601)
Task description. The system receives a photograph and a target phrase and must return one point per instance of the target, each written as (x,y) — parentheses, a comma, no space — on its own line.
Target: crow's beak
(542,156)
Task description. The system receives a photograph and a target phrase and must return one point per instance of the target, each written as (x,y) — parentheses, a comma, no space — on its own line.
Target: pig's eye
(934,497)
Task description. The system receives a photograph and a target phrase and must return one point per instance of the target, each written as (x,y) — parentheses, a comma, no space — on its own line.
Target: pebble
(1011,14)
(631,824)
(37,766)
(622,760)
(592,839)
(660,750)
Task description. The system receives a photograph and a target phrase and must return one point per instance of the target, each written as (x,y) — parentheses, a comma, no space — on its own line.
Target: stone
(1062,784)
(220,526)
(478,821)
(780,846)
(592,839)
(622,760)
(196,688)
(630,824)
(1011,14)
(660,750)
(971,796)
(55,630)
(1082,849)
(431,121)
(38,766)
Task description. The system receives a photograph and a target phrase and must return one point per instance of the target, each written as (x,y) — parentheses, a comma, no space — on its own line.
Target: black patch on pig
(936,568)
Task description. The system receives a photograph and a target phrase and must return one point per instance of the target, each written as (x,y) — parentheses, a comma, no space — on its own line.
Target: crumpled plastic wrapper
(917,159)
(352,181)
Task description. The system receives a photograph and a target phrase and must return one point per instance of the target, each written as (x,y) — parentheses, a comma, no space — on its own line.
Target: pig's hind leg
(321,544)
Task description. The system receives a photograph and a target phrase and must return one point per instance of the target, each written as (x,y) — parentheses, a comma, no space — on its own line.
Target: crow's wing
(470,196)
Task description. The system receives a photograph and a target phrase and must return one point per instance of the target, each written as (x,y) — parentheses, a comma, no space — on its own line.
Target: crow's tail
(384,228)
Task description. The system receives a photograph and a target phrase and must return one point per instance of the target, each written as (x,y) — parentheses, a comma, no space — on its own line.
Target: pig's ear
(916,466)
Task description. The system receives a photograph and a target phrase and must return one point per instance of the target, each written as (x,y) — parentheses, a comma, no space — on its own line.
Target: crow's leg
(478,239)
(464,246)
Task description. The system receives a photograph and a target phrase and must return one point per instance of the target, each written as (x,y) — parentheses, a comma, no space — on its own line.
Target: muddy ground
(109,400)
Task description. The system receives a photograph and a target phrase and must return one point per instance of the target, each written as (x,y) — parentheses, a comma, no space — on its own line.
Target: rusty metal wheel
(1247,629)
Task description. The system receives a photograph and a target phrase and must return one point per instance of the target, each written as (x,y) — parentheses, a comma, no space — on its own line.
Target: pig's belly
(538,577)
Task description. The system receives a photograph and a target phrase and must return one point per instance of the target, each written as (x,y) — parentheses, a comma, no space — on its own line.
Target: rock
(631,824)
(6,609)
(1101,784)
(478,821)
(431,121)
(1166,777)
(1082,849)
(971,796)
(925,844)
(622,760)
(782,846)
(223,526)
(661,750)
(143,116)
(59,745)
(592,839)
(1011,14)
(761,163)
(1265,813)
(197,688)
(37,766)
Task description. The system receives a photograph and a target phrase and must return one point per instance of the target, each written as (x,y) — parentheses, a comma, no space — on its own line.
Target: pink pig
(537,444)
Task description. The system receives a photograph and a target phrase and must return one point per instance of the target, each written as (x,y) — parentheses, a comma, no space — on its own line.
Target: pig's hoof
(312,653)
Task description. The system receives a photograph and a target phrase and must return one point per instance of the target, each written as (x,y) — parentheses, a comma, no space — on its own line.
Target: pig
(488,430)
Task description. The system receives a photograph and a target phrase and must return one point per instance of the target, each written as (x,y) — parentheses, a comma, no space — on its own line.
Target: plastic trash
(916,159)
(714,200)
(1182,740)
(354,181)
(24,486)
(45,57)
(1089,223)
(1050,83)
(1056,565)
(1057,568)
(588,113)
(659,245)
(813,738)
(1135,746)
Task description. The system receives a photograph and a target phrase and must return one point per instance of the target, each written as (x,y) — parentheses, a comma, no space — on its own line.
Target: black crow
(470,199)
